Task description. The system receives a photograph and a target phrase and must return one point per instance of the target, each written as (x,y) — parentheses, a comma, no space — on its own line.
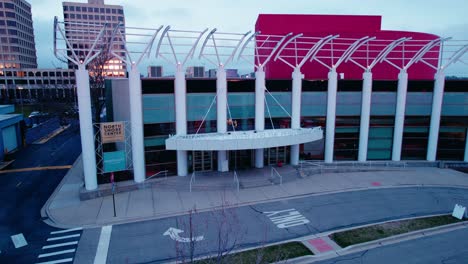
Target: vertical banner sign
(112,132)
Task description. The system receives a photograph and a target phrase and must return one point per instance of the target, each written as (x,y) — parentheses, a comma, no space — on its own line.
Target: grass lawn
(365,234)
(264,255)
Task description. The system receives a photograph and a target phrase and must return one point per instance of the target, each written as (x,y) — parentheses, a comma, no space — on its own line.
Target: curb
(45,214)
(380,242)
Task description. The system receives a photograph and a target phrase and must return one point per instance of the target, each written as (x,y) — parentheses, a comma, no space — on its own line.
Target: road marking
(61,245)
(65,167)
(103,246)
(62,237)
(174,234)
(19,183)
(66,231)
(19,240)
(287,218)
(57,253)
(57,261)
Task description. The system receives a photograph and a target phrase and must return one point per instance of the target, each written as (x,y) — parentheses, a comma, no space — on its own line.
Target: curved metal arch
(192,50)
(286,44)
(206,41)
(316,48)
(384,53)
(418,56)
(247,43)
(353,48)
(235,49)
(456,56)
(161,40)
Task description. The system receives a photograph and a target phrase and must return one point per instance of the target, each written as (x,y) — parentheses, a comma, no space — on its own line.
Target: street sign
(459,211)
(112,132)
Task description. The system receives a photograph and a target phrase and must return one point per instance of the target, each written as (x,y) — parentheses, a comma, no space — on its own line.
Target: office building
(79,16)
(17,46)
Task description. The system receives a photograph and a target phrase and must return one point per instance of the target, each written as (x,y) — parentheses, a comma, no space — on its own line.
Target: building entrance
(274,156)
(202,161)
(241,159)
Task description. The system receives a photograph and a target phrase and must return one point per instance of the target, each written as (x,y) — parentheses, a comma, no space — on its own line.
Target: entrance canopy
(237,140)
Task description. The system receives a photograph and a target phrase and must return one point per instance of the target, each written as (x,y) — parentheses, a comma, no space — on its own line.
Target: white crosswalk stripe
(61,246)
(66,231)
(63,237)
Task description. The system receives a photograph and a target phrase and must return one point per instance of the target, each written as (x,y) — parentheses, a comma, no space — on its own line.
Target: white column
(86,128)
(296,110)
(399,115)
(136,121)
(331,115)
(221,107)
(435,115)
(365,115)
(180,95)
(259,111)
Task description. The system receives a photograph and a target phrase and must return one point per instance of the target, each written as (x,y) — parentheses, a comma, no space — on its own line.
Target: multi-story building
(195,72)
(155,71)
(79,17)
(17,46)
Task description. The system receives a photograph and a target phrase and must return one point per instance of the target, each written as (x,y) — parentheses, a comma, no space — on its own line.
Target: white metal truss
(259,49)
(137,43)
(219,48)
(238,140)
(81,43)
(177,47)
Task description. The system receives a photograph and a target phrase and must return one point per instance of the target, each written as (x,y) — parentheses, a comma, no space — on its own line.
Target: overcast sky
(445,18)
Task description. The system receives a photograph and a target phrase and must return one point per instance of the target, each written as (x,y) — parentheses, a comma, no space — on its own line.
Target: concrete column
(180,95)
(399,115)
(331,115)
(221,107)
(297,77)
(86,128)
(259,112)
(365,116)
(435,116)
(136,121)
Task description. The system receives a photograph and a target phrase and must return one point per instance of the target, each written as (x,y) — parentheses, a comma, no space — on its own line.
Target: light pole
(20,88)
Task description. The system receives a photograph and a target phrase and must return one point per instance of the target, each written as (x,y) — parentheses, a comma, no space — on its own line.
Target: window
(108,11)
(72,8)
(13,32)
(10,14)
(65,8)
(121,11)
(9,6)
(78,9)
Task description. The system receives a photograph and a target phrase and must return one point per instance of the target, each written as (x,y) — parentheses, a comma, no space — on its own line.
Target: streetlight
(20,88)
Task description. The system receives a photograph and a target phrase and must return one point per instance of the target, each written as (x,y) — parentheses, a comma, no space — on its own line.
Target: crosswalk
(61,246)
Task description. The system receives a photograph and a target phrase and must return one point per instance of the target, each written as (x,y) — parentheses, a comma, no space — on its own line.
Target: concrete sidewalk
(169,197)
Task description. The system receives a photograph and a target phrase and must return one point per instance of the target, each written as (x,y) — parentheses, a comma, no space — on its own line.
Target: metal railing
(192,180)
(236,181)
(158,173)
(274,173)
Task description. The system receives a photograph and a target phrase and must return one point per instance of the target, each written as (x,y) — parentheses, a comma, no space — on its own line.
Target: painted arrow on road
(174,234)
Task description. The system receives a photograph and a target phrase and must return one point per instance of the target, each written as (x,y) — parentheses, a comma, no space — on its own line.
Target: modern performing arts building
(326,87)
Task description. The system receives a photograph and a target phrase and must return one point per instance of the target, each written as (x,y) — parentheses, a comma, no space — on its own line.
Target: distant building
(230,73)
(77,15)
(195,72)
(17,46)
(155,71)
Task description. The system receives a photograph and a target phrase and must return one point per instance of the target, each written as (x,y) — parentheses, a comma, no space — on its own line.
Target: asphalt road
(447,248)
(144,242)
(23,194)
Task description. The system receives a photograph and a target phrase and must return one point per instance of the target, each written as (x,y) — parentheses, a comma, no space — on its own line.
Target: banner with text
(112,132)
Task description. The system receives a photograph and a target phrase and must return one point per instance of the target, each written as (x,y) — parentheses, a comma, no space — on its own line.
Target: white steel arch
(180,45)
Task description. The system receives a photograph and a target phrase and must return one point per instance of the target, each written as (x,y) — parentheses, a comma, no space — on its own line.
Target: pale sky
(447,18)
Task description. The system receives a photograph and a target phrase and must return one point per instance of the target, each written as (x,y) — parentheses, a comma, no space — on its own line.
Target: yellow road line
(65,167)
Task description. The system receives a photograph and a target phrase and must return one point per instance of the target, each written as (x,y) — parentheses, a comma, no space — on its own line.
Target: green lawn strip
(264,255)
(374,232)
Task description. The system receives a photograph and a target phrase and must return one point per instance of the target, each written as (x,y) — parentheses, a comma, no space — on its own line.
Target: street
(23,194)
(153,241)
